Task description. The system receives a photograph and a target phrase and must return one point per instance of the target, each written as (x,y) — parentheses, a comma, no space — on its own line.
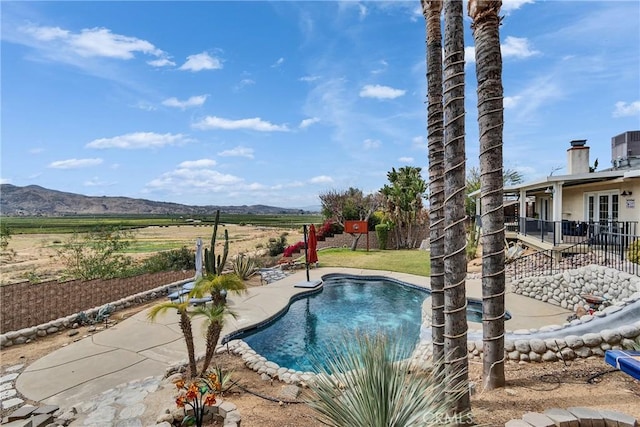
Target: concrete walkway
(137,348)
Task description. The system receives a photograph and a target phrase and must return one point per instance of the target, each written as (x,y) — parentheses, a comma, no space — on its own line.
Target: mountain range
(34,200)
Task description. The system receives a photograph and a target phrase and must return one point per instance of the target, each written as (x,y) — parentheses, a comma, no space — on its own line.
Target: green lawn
(406,261)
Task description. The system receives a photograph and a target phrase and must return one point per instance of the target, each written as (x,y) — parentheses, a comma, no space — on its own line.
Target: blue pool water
(317,322)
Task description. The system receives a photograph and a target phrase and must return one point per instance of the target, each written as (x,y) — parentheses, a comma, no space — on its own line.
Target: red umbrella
(312,245)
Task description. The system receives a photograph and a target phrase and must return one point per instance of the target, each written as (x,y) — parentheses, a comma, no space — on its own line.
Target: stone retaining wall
(27,304)
(620,289)
(564,289)
(575,416)
(28,334)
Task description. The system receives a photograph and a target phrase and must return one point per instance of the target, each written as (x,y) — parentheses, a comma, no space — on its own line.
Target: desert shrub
(97,254)
(633,253)
(277,246)
(5,236)
(173,260)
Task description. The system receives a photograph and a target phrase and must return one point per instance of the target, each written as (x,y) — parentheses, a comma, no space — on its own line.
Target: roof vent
(578,142)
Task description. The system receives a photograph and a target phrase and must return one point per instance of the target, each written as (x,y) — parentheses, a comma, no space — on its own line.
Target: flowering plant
(197,394)
(290,250)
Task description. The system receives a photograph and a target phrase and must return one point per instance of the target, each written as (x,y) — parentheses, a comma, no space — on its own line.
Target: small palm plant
(185,327)
(214,315)
(364,383)
(218,286)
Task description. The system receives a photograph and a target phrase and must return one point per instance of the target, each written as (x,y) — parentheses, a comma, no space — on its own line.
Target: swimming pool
(313,324)
(346,304)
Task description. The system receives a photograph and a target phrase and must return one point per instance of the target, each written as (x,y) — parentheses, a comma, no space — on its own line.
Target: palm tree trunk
(185,326)
(455,264)
(432,11)
(486,34)
(213,335)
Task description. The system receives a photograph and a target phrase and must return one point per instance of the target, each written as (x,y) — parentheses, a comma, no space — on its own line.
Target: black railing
(609,250)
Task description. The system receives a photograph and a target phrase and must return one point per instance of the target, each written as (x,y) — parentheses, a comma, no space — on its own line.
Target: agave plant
(244,266)
(367,383)
(185,327)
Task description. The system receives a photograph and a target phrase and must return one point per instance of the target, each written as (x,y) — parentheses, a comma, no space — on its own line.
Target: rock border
(574,416)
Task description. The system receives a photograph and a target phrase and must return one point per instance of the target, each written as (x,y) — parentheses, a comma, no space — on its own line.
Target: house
(582,206)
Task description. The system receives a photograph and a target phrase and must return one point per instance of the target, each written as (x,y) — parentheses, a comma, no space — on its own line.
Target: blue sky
(232,103)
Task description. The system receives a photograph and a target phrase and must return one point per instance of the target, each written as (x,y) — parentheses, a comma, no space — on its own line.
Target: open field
(70,224)
(34,257)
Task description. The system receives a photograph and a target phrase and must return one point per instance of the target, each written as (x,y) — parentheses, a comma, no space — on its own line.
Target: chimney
(578,157)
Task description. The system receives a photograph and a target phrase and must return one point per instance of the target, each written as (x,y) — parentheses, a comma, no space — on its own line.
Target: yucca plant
(244,266)
(365,382)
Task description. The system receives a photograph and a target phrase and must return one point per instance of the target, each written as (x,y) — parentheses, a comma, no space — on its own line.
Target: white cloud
(277,63)
(370,144)
(89,42)
(381,92)
(309,78)
(201,61)
(510,5)
(406,159)
(517,47)
(383,65)
(419,142)
(5,181)
(94,182)
(75,163)
(139,140)
(243,83)
(624,109)
(511,101)
(308,122)
(194,101)
(238,151)
(162,62)
(321,179)
(469,55)
(36,150)
(197,164)
(256,123)
(194,180)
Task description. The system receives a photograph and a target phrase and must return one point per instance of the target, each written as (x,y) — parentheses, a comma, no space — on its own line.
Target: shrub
(382,232)
(173,260)
(633,253)
(276,246)
(293,249)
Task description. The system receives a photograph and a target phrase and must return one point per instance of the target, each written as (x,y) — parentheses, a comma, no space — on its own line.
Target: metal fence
(609,250)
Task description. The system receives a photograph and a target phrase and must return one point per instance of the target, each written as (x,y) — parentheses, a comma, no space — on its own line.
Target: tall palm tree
(185,327)
(455,265)
(486,34)
(432,11)
(214,315)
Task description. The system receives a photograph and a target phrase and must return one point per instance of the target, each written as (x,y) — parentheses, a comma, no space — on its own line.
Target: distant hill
(34,200)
